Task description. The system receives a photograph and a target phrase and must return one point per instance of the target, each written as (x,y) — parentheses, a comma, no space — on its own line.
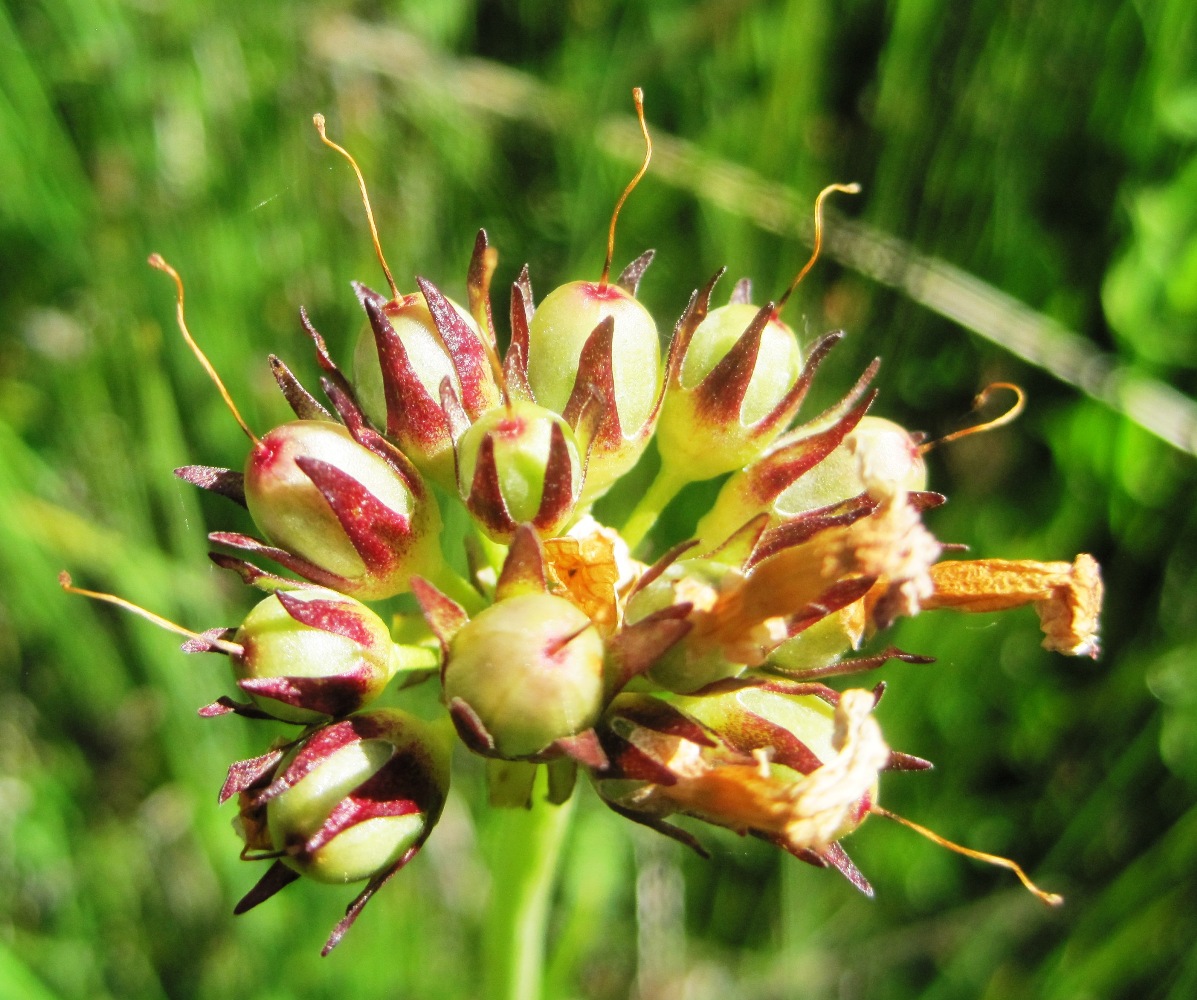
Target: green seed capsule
(531,669)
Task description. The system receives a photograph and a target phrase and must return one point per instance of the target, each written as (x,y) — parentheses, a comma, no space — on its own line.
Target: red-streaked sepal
(519,463)
(354,801)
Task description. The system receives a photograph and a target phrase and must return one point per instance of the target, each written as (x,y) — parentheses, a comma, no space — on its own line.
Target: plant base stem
(525,848)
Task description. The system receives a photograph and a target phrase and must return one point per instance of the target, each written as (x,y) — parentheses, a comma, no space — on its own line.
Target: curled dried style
(690,682)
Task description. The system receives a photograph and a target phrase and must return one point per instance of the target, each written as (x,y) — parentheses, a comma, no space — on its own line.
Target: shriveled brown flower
(1066,596)
(890,546)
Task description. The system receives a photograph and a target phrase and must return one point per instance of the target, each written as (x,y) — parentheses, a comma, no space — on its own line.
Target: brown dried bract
(587,569)
(1066,596)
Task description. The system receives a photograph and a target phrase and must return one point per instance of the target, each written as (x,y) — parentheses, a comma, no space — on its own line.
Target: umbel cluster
(687,682)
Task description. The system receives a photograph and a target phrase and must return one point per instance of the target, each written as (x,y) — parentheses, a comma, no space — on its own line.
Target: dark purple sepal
(485,500)
(225,482)
(515,375)
(309,571)
(584,747)
(302,403)
(278,876)
(558,498)
(628,762)
(205,641)
(741,543)
(787,463)
(683,333)
(523,569)
(838,410)
(522,309)
(925,500)
(719,396)
(653,573)
(795,689)
(838,595)
(470,728)
(745,731)
(483,262)
(254,576)
(802,528)
(323,358)
(412,414)
(252,773)
(596,378)
(337,617)
(224,705)
(363,897)
(777,419)
(837,858)
(661,717)
(333,695)
(468,356)
(899,761)
(455,414)
(832,856)
(635,648)
(658,824)
(444,615)
(318,747)
(378,533)
(388,792)
(853,666)
(364,293)
(629,277)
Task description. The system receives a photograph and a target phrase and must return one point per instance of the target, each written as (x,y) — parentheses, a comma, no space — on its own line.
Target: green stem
(454,585)
(663,489)
(525,848)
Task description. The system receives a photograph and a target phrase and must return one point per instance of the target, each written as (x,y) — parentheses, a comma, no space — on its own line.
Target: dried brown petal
(890,544)
(807,813)
(592,570)
(1066,596)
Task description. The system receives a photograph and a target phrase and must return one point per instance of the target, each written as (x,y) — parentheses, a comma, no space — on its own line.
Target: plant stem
(454,585)
(523,860)
(663,489)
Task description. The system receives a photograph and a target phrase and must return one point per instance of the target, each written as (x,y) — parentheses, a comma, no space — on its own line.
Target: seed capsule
(530,668)
(345,514)
(518,464)
(308,655)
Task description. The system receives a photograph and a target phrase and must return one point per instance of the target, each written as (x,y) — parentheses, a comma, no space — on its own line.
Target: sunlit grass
(131,129)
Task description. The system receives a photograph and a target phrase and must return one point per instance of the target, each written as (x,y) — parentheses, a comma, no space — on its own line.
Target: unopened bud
(518,464)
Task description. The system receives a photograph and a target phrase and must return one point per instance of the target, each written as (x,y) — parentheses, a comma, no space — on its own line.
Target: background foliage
(1049,149)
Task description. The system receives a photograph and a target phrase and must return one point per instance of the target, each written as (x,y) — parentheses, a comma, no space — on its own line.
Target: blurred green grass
(1047,148)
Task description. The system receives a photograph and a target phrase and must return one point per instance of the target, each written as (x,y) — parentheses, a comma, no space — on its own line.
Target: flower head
(692,685)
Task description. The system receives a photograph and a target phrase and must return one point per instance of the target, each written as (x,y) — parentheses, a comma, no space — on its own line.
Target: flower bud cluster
(693,685)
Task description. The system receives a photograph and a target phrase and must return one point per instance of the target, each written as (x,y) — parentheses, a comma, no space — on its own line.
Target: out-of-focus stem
(663,489)
(525,848)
